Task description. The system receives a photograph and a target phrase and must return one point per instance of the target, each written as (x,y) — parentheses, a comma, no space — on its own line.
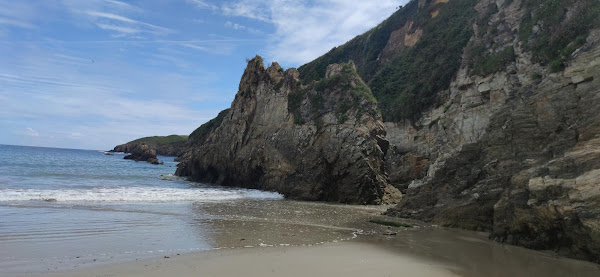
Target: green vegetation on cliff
(347,80)
(171,145)
(200,132)
(553,29)
(407,83)
(160,140)
(406,79)
(364,49)
(486,65)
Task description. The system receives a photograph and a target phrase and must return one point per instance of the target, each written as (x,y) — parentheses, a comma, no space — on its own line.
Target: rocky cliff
(321,141)
(489,114)
(512,149)
(172,145)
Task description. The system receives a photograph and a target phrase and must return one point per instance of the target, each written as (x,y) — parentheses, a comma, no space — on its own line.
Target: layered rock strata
(323,141)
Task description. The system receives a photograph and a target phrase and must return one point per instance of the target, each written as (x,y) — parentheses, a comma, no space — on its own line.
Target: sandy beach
(370,255)
(290,238)
(336,259)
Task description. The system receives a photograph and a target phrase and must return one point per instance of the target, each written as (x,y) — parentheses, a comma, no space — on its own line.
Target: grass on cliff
(407,85)
(348,80)
(200,133)
(364,49)
(161,140)
(486,65)
(553,29)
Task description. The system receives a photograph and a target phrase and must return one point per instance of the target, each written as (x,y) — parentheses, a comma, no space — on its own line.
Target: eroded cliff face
(514,152)
(503,137)
(322,141)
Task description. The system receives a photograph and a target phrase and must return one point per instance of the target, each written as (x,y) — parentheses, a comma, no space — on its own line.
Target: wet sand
(445,253)
(289,238)
(338,259)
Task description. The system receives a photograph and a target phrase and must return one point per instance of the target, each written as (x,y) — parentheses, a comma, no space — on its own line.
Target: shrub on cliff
(198,135)
(407,84)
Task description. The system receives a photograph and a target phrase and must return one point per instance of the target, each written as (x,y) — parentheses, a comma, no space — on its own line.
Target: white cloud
(197,47)
(114,16)
(258,10)
(122,5)
(305,29)
(234,26)
(214,48)
(240,27)
(122,30)
(110,16)
(116,21)
(17,14)
(63,94)
(32,133)
(203,4)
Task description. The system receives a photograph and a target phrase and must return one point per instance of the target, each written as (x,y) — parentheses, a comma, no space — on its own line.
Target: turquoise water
(63,208)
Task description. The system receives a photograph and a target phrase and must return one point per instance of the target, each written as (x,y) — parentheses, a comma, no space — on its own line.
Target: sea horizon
(52,147)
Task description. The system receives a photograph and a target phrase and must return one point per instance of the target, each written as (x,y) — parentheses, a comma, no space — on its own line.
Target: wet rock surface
(512,153)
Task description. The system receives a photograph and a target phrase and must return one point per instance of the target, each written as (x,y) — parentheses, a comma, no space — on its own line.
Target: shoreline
(347,258)
(423,251)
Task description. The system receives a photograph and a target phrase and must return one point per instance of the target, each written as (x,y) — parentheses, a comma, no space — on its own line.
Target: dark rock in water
(154,161)
(324,141)
(143,153)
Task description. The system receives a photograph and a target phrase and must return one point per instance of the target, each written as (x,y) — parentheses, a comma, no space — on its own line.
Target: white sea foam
(170,177)
(134,194)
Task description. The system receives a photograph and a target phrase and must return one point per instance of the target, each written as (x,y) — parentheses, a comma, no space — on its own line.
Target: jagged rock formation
(143,152)
(490,111)
(172,145)
(508,144)
(323,141)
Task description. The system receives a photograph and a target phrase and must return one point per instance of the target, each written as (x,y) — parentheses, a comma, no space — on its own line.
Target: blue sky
(92,74)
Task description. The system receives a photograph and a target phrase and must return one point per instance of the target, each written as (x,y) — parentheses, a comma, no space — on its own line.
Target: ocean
(65,208)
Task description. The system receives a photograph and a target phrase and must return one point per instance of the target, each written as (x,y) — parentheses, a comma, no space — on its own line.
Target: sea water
(62,208)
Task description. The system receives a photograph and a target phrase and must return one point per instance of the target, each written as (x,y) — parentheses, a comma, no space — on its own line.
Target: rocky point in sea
(143,152)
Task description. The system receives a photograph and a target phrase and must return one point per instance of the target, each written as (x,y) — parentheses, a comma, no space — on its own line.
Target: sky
(91,74)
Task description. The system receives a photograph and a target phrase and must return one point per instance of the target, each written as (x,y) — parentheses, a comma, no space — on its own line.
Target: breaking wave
(134,194)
